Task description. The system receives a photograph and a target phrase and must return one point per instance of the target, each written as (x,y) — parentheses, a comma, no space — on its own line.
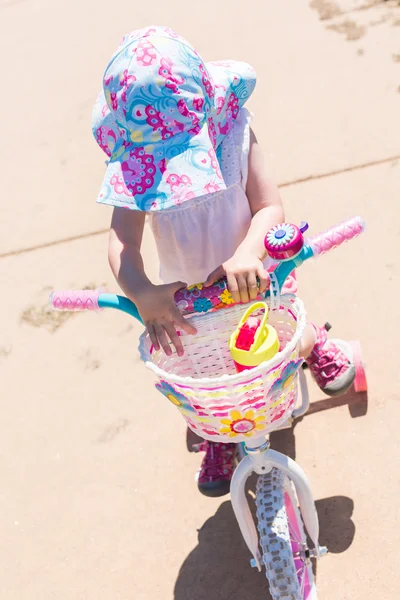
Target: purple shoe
(331,364)
(214,477)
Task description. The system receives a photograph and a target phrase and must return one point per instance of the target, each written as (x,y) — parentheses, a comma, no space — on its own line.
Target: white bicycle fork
(261,459)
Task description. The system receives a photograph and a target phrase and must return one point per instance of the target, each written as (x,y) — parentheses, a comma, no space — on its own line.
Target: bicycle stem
(286,267)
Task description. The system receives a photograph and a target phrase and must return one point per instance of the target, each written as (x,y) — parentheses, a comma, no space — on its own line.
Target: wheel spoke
(293,535)
(303,582)
(299,570)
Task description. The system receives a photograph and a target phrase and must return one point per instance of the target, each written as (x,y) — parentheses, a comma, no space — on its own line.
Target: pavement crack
(73,238)
(371,163)
(283,184)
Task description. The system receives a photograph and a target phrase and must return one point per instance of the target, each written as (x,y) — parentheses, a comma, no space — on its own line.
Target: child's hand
(158,310)
(241,272)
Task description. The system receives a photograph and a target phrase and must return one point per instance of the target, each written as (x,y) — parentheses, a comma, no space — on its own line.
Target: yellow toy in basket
(253,341)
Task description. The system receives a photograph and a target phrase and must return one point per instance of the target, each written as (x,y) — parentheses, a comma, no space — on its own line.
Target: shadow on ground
(218,568)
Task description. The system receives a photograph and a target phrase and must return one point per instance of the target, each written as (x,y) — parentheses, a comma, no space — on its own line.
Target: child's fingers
(214,276)
(263,278)
(233,287)
(252,285)
(243,290)
(174,337)
(162,338)
(176,286)
(183,323)
(153,337)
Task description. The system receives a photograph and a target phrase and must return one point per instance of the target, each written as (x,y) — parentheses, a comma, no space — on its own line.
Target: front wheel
(283,540)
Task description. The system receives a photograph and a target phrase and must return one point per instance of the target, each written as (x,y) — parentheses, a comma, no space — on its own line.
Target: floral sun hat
(161,116)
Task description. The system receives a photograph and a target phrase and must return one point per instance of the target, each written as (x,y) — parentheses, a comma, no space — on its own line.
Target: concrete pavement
(97,501)
(320,106)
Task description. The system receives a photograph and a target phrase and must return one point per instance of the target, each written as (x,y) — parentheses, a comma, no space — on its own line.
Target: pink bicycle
(222,405)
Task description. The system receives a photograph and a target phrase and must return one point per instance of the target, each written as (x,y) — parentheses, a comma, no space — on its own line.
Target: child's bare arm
(125,240)
(246,264)
(155,302)
(264,199)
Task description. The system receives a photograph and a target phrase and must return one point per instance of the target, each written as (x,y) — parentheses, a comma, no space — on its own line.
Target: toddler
(181,151)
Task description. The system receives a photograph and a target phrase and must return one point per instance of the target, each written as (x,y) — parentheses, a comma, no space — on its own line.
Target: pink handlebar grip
(75,300)
(331,238)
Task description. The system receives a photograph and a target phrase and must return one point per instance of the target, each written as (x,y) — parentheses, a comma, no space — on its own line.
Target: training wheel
(360,381)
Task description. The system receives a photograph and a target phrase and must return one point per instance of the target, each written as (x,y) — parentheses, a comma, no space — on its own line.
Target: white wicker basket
(218,403)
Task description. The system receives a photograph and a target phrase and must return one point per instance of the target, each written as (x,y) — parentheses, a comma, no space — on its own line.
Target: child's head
(161,116)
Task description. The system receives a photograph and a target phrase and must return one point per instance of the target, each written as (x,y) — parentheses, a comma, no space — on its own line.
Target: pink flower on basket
(215,301)
(174,396)
(242,424)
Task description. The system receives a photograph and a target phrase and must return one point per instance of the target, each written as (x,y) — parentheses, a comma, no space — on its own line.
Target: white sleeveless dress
(196,237)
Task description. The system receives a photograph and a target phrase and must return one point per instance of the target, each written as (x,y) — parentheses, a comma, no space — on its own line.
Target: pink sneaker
(216,469)
(331,364)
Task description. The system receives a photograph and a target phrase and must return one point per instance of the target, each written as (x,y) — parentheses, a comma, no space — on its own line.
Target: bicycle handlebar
(333,237)
(203,299)
(78,300)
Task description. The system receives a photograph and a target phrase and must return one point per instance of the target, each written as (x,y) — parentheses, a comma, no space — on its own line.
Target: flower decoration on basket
(198,298)
(202,304)
(285,380)
(242,424)
(226,297)
(177,399)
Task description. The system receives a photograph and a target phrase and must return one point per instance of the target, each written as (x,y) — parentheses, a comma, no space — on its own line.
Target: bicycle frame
(261,459)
